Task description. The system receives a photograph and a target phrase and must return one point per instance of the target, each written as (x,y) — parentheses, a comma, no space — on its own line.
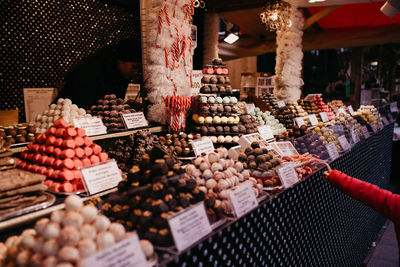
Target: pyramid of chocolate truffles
(323,107)
(270,102)
(265,118)
(64,109)
(66,238)
(59,153)
(215,110)
(128,150)
(20,133)
(216,174)
(180,144)
(109,109)
(285,116)
(261,163)
(153,190)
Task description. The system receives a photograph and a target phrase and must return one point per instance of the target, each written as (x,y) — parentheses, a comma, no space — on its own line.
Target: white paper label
(250,107)
(365,132)
(385,121)
(281,104)
(354,136)
(391,119)
(299,121)
(132,91)
(313,119)
(343,142)
(332,151)
(324,116)
(196,81)
(189,226)
(265,132)
(373,126)
(101,177)
(393,107)
(203,145)
(287,174)
(127,252)
(351,110)
(37,100)
(341,110)
(92,126)
(134,120)
(380,124)
(243,199)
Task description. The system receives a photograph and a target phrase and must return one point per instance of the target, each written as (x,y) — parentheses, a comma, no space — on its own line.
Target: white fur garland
(168,56)
(289,56)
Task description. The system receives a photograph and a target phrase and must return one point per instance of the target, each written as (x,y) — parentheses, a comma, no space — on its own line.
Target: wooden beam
(319,15)
(328,39)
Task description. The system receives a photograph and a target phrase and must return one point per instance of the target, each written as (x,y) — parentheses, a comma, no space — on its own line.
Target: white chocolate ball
(68,253)
(73,218)
(88,231)
(89,212)
(23,257)
(86,247)
(52,230)
(102,223)
(60,101)
(69,236)
(41,225)
(211,183)
(57,216)
(117,230)
(73,202)
(67,102)
(222,185)
(207,174)
(105,240)
(50,247)
(28,241)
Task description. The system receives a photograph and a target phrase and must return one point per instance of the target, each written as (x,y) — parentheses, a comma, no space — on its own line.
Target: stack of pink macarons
(59,153)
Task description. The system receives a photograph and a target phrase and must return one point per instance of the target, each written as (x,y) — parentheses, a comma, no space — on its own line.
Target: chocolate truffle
(213,80)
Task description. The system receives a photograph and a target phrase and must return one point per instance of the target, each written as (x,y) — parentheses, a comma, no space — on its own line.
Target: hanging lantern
(276,15)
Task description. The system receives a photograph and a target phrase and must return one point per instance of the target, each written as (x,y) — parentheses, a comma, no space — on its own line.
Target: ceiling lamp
(276,15)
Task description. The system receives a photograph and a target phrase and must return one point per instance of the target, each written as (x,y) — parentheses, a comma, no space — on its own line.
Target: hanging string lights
(276,15)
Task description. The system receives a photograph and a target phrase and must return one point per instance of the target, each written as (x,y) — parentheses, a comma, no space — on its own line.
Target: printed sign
(196,81)
(393,107)
(92,126)
(250,107)
(243,199)
(132,91)
(281,104)
(313,119)
(332,151)
(324,116)
(287,175)
(124,253)
(203,145)
(37,100)
(341,110)
(265,132)
(101,177)
(189,226)
(365,132)
(299,121)
(285,148)
(343,142)
(351,110)
(373,126)
(134,120)
(354,136)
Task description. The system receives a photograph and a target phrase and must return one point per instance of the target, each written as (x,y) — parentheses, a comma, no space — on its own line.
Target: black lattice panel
(311,224)
(41,40)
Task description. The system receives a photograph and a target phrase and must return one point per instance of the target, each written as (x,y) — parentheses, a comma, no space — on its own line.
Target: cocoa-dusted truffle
(205,79)
(219,129)
(204,130)
(220,108)
(214,89)
(205,89)
(213,79)
(228,109)
(235,129)
(227,129)
(212,130)
(221,80)
(205,109)
(213,109)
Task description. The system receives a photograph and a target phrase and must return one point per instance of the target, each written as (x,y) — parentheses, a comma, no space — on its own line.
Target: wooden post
(356,75)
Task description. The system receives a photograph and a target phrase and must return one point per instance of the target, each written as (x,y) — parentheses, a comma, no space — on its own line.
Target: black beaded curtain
(42,39)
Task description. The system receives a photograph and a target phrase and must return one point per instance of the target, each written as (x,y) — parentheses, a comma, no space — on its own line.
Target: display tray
(48,202)
(201,104)
(186,158)
(65,193)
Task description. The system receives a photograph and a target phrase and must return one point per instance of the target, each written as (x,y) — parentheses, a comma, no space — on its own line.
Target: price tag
(285,148)
(313,119)
(324,116)
(189,226)
(351,110)
(343,142)
(354,136)
(341,110)
(92,126)
(281,104)
(373,126)
(250,107)
(203,145)
(385,121)
(332,151)
(243,199)
(299,121)
(287,174)
(393,107)
(380,124)
(101,177)
(391,119)
(365,132)
(124,253)
(265,132)
(134,120)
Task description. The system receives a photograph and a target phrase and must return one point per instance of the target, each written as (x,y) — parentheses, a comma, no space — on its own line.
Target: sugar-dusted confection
(68,253)
(105,240)
(102,223)
(86,247)
(69,236)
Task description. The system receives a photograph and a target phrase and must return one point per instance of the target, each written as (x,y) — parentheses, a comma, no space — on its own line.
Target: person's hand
(326,173)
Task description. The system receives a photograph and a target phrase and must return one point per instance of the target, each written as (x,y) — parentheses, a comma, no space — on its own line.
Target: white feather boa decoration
(168,29)
(289,56)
